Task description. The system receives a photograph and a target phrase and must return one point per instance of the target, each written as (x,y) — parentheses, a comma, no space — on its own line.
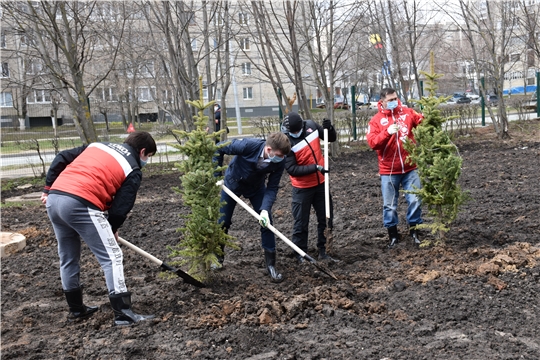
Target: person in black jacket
(305,165)
(81,184)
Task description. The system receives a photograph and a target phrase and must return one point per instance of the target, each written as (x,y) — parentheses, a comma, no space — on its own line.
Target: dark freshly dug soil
(477,297)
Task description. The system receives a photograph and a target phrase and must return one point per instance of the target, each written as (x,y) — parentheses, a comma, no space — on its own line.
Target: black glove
(326,124)
(321,169)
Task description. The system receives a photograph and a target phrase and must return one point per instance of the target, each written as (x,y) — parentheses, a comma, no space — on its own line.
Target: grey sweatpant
(71,220)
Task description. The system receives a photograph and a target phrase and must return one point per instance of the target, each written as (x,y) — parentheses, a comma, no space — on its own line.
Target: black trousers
(302,200)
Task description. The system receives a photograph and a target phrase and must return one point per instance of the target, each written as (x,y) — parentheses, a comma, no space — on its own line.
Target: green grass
(14,204)
(13,183)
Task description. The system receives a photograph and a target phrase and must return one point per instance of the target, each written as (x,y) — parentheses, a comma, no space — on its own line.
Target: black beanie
(295,122)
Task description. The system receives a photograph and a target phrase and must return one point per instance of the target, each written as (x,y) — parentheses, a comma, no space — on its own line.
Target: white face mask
(296,135)
(274,158)
(391,105)
(143,162)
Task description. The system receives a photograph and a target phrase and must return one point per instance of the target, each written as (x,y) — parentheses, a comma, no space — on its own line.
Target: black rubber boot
(394,236)
(123,314)
(77,310)
(415,236)
(270,259)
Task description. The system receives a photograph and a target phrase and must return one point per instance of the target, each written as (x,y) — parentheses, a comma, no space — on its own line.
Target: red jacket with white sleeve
(391,154)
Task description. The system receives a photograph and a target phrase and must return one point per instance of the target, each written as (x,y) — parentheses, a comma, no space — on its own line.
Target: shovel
(328,230)
(276,231)
(187,278)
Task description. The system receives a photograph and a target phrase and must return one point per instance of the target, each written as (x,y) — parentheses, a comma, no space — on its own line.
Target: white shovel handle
(140,251)
(258,217)
(326,177)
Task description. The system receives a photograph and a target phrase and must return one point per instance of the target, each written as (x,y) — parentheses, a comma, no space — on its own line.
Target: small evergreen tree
(203,235)
(439,164)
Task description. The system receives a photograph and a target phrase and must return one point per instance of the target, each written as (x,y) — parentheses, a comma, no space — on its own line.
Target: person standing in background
(387,131)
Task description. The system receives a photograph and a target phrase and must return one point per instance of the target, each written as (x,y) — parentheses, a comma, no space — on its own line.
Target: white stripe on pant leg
(116,257)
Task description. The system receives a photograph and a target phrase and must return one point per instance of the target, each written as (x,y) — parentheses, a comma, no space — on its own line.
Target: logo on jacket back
(119,148)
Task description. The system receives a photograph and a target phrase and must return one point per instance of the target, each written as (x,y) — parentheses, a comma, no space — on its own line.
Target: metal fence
(29,152)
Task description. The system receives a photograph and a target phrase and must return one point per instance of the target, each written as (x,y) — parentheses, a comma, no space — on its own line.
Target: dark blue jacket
(243,177)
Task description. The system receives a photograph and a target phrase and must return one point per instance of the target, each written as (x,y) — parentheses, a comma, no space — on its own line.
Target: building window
(165,70)
(5,70)
(205,90)
(192,20)
(147,69)
(3,40)
(146,93)
(243,19)
(245,44)
(39,97)
(6,99)
(514,57)
(167,96)
(248,93)
(34,67)
(218,94)
(246,68)
(108,94)
(219,19)
(193,44)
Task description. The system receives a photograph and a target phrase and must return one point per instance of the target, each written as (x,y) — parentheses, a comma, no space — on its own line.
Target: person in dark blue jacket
(256,160)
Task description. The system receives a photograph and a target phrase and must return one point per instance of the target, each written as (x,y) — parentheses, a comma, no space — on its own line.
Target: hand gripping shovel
(328,230)
(187,278)
(319,266)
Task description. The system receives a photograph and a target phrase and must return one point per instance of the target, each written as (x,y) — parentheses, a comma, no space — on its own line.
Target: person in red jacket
(305,167)
(81,185)
(387,131)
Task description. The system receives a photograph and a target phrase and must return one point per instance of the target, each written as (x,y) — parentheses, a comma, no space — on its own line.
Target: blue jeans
(390,191)
(268,238)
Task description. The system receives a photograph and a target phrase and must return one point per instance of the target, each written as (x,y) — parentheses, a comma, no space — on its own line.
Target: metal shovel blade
(185,276)
(299,251)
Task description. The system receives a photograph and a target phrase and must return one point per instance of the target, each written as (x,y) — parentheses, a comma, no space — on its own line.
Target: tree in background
(439,164)
(203,234)
(64,37)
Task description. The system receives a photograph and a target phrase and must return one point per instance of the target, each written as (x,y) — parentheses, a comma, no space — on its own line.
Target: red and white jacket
(103,175)
(306,154)
(392,156)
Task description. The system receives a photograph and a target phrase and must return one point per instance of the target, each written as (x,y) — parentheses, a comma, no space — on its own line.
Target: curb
(10,243)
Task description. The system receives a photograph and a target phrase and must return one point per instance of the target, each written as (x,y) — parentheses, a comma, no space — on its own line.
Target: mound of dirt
(475,297)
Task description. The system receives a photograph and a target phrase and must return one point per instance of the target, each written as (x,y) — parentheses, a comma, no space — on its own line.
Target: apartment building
(153,71)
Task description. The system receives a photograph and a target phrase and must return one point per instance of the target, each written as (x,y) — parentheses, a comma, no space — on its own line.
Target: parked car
(363,105)
(492,100)
(463,100)
(456,96)
(340,105)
